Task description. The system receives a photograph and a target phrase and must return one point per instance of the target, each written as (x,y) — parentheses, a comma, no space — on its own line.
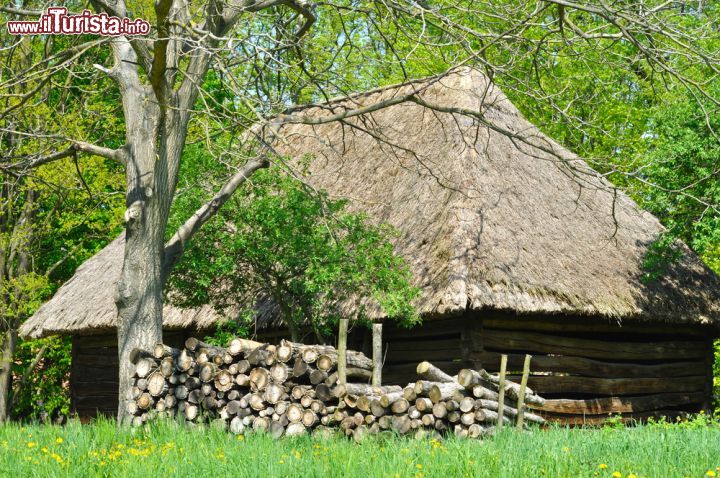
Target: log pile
(292,389)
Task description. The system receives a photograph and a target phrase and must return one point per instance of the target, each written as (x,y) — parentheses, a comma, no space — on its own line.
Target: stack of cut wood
(291,389)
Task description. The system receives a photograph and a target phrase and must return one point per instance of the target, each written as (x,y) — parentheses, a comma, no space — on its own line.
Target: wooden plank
(429,328)
(98,360)
(409,345)
(593,368)
(594,420)
(546,384)
(88,387)
(419,355)
(401,374)
(607,405)
(603,349)
(90,341)
(572,324)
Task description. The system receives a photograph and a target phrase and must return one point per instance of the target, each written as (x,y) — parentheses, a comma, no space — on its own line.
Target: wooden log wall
(94,373)
(588,369)
(447,343)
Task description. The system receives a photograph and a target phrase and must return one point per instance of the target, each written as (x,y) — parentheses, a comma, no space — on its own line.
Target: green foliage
(227,330)
(45,393)
(280,239)
(102,450)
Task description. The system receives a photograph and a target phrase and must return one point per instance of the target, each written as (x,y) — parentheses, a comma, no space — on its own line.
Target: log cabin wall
(94,373)
(589,369)
(447,343)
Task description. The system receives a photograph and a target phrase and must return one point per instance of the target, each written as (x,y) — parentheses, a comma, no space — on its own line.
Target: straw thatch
(492,215)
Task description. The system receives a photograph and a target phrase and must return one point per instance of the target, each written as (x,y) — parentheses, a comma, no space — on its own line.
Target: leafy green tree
(278,239)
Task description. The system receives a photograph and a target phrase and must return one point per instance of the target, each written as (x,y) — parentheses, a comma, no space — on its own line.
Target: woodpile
(293,389)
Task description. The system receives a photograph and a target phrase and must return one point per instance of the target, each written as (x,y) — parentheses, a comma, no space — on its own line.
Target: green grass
(166,450)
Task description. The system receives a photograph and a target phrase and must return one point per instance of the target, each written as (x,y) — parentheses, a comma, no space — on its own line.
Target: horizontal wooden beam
(587,324)
(638,404)
(548,384)
(591,367)
(593,420)
(428,329)
(505,341)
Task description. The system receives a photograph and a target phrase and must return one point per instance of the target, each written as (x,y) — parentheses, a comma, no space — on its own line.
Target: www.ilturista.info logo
(57,21)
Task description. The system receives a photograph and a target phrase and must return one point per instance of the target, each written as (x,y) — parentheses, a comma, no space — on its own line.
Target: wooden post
(342,352)
(377,355)
(521,394)
(501,390)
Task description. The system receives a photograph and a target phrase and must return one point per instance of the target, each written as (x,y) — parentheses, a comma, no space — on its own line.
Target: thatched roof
(488,220)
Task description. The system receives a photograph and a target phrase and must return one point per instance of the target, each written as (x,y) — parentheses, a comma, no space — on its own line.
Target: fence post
(501,390)
(521,394)
(342,351)
(377,355)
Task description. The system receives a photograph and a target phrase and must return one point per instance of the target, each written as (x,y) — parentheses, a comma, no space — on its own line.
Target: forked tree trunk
(7,351)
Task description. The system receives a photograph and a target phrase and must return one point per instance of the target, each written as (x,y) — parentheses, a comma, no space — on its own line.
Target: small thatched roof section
(86,302)
(492,215)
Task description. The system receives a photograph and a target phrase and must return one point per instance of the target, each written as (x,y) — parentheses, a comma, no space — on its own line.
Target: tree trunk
(7,351)
(139,291)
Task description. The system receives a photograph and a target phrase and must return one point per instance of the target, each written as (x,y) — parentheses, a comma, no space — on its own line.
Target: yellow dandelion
(710,473)
(418,466)
(44,449)
(602,466)
(59,440)
(617,474)
(31,444)
(240,437)
(632,475)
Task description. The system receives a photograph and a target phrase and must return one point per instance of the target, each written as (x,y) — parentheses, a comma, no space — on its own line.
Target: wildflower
(418,466)
(632,475)
(617,474)
(59,440)
(602,466)
(44,449)
(31,444)
(240,437)
(710,473)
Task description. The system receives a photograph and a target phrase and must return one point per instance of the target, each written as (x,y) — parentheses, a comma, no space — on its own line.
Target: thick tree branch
(176,245)
(77,146)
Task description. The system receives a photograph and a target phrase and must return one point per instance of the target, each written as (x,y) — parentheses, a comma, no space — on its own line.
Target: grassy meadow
(690,449)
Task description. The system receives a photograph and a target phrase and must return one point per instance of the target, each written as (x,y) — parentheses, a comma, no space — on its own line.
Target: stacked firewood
(466,404)
(292,389)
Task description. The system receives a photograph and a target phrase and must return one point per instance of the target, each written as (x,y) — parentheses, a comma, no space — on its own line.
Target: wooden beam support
(599,406)
(342,351)
(549,384)
(377,354)
(595,368)
(602,349)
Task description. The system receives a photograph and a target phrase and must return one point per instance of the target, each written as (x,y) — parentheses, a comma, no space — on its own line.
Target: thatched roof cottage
(517,244)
